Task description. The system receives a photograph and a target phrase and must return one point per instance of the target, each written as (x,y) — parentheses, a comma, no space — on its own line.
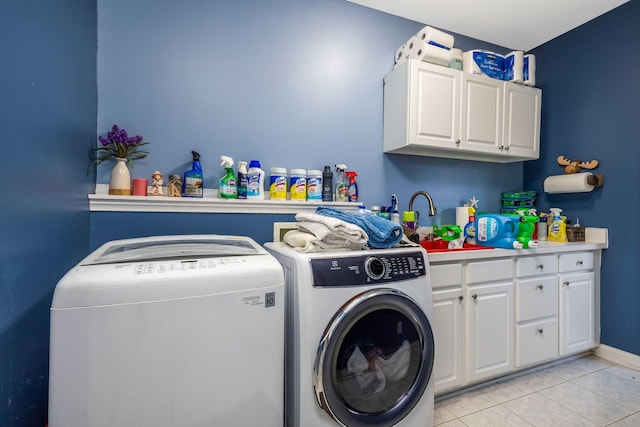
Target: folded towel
(323,226)
(306,242)
(382,232)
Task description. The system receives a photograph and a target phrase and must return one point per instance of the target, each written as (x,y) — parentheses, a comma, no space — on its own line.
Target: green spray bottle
(227,187)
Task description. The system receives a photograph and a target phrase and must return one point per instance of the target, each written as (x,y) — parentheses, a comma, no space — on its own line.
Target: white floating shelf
(101,201)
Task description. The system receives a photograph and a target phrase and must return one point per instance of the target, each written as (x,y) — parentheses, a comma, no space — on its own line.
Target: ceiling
(513,24)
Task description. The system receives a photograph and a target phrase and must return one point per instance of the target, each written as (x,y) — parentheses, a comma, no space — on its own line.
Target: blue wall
(48,125)
(293,83)
(589,78)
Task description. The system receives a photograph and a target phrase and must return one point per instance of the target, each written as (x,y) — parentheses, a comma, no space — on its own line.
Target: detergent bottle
(242,180)
(227,188)
(352,189)
(342,188)
(557,231)
(526,228)
(192,180)
(497,230)
(255,181)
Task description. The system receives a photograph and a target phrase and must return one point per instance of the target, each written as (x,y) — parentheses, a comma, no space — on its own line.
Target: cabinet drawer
(536,265)
(489,271)
(536,298)
(576,261)
(536,342)
(443,275)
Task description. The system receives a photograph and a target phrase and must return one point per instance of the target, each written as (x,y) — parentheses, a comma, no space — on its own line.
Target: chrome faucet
(432,206)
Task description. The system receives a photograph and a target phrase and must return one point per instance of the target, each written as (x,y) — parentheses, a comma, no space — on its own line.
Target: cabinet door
(434,106)
(577,312)
(448,310)
(489,323)
(522,106)
(481,114)
(536,342)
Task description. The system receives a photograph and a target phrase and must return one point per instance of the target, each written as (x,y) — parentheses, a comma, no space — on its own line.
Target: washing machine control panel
(362,270)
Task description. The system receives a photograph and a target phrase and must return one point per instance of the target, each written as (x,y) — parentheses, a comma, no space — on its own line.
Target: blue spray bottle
(192,180)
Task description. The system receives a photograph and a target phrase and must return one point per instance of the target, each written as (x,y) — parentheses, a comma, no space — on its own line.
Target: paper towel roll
(433,54)
(514,66)
(435,37)
(462,216)
(569,183)
(529,69)
(483,62)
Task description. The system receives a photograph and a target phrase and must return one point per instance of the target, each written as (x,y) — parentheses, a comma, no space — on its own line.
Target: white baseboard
(618,356)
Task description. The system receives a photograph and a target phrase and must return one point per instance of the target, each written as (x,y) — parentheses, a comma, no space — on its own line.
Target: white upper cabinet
(436,111)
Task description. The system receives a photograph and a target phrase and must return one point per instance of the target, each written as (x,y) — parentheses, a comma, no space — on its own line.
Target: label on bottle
(278,186)
(193,186)
(242,185)
(298,187)
(314,188)
(253,185)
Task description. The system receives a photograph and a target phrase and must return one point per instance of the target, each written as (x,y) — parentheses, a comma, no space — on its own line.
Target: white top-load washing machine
(169,331)
(359,342)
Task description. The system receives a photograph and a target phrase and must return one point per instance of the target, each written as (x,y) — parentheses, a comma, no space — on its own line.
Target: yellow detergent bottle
(557,231)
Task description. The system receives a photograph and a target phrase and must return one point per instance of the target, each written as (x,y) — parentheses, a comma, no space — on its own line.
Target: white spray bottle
(342,186)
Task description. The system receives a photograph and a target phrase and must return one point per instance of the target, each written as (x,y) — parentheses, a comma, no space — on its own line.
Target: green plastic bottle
(228,188)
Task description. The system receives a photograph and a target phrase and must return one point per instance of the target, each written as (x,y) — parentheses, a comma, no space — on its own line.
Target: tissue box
(575,234)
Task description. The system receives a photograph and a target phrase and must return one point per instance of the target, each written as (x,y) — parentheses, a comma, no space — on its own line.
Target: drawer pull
(579,262)
(540,266)
(540,287)
(566,283)
(540,331)
(474,296)
(460,298)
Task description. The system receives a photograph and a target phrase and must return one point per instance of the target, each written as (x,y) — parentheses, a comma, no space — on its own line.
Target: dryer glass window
(375,359)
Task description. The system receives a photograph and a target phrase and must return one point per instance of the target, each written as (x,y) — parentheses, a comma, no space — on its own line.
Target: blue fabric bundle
(382,232)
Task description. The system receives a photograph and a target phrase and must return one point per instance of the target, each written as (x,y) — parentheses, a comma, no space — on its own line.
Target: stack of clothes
(331,229)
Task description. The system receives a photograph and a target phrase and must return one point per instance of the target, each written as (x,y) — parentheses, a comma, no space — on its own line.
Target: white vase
(120,184)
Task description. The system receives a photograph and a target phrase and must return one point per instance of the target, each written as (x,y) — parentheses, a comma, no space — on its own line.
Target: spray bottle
(327,184)
(192,179)
(227,188)
(342,188)
(242,180)
(557,228)
(395,215)
(352,189)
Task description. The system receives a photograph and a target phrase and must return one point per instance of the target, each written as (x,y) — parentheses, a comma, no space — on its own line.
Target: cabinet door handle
(540,266)
(474,296)
(506,148)
(579,262)
(566,283)
(460,298)
(541,287)
(457,141)
(540,331)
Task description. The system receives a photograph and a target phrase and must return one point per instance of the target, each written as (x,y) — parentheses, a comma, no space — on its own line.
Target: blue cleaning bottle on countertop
(497,230)
(255,181)
(192,179)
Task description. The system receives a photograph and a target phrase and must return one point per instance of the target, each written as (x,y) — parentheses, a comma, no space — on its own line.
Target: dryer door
(374,360)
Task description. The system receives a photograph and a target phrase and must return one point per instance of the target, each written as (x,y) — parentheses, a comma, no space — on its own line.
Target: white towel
(332,232)
(306,242)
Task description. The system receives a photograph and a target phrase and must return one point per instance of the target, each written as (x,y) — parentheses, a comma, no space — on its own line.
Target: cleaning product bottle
(314,184)
(255,181)
(227,188)
(557,231)
(242,180)
(352,189)
(327,184)
(497,230)
(342,188)
(395,215)
(192,179)
(278,183)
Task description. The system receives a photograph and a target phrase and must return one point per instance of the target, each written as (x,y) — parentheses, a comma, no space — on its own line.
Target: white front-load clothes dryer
(359,342)
(169,331)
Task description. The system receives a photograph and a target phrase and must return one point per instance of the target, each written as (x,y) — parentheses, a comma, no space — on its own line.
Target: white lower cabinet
(493,317)
(489,319)
(448,326)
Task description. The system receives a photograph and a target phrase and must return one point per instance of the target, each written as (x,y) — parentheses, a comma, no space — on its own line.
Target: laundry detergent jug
(499,231)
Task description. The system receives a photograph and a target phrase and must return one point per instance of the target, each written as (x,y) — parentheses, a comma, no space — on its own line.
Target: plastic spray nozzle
(555,212)
(341,167)
(196,156)
(227,162)
(351,175)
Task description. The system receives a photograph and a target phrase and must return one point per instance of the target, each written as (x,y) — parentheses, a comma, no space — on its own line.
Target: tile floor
(587,391)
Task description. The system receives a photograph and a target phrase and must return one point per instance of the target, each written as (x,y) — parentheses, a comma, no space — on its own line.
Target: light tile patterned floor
(582,392)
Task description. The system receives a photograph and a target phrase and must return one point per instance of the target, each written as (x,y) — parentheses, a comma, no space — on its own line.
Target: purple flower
(118,144)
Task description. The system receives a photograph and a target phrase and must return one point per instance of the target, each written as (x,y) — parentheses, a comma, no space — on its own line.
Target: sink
(442,246)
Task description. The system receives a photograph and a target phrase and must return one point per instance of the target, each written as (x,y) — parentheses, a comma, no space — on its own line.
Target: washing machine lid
(172,247)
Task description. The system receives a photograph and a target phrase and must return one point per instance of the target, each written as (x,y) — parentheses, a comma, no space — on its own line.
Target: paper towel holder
(572,183)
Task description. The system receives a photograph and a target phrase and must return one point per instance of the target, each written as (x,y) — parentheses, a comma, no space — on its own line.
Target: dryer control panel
(374,268)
